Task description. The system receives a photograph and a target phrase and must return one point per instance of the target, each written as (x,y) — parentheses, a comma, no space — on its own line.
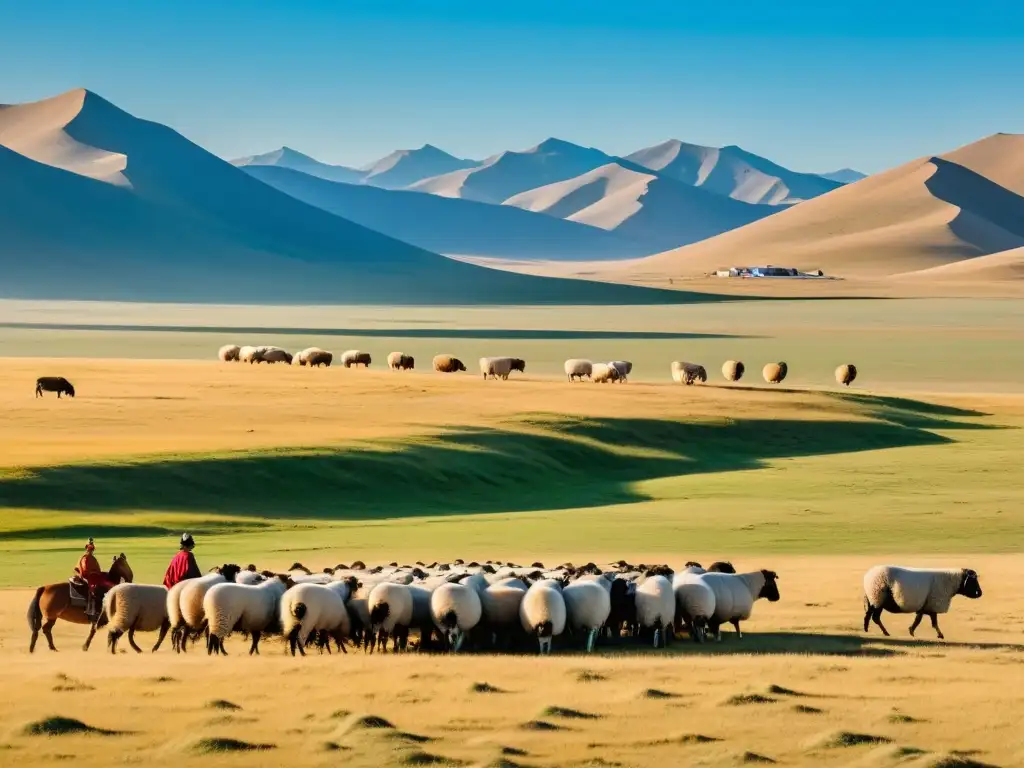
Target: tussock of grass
(63,726)
(333,746)
(339,714)
(806,710)
(741,699)
(949,761)
(569,714)
(839,739)
(692,738)
(586,676)
(753,757)
(485,688)
(898,718)
(70,684)
(540,725)
(217,744)
(425,758)
(655,693)
(779,690)
(514,751)
(412,738)
(222,704)
(164,679)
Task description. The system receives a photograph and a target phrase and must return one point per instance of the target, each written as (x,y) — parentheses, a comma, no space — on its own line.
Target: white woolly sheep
(695,602)
(448,364)
(250,577)
(500,367)
(924,591)
(399,361)
(735,594)
(688,373)
(456,609)
(135,608)
(271,355)
(577,369)
(624,367)
(253,609)
(656,608)
(603,373)
(500,603)
(229,353)
(186,613)
(353,358)
(542,613)
(733,370)
(587,606)
(315,608)
(314,357)
(247,355)
(390,607)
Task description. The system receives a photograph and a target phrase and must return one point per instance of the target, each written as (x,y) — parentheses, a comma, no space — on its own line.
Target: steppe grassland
(817,485)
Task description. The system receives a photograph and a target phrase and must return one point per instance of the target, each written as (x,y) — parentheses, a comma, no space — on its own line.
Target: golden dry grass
(813,680)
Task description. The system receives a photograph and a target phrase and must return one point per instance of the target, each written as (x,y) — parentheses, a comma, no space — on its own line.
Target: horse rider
(88,571)
(183,564)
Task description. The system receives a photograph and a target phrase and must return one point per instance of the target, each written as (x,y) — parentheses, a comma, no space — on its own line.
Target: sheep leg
(163,633)
(935,625)
(255,649)
(739,633)
(545,645)
(917,620)
(867,614)
(591,639)
(131,640)
(48,633)
(112,638)
(876,617)
(460,638)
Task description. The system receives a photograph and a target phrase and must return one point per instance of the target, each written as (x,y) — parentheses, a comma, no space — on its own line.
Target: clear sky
(812,85)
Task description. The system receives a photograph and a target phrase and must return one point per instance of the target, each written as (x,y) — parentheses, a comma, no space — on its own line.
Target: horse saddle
(79,592)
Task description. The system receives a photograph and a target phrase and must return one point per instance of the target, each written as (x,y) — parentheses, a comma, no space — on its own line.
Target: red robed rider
(183,565)
(89,571)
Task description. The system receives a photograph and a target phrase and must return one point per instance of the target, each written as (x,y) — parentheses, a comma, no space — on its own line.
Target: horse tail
(35,613)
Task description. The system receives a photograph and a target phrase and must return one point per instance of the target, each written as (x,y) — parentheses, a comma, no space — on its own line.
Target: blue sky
(812,85)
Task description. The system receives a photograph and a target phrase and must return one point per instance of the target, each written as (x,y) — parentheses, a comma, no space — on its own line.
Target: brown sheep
(774,373)
(448,364)
(57,384)
(845,374)
(518,364)
(319,357)
(398,361)
(733,370)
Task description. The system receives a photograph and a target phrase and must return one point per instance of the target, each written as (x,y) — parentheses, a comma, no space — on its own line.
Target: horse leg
(92,634)
(163,633)
(255,649)
(48,633)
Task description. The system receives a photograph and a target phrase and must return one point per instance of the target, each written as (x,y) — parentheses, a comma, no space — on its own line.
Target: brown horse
(53,602)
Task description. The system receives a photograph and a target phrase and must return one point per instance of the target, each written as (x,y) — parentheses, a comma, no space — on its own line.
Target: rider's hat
(90,546)
(187,540)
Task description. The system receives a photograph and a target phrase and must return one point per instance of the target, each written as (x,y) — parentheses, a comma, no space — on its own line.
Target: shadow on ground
(544,462)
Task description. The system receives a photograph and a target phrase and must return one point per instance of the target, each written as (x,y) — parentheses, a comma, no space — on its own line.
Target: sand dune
(620,197)
(996,267)
(924,214)
(285,157)
(500,177)
(733,172)
(179,223)
(453,226)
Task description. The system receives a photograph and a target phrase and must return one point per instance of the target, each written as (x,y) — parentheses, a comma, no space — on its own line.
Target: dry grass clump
(569,714)
(57,725)
(657,693)
(223,704)
(540,725)
(70,684)
(754,758)
(485,688)
(742,699)
(588,676)
(218,745)
(779,690)
(840,739)
(806,710)
(426,758)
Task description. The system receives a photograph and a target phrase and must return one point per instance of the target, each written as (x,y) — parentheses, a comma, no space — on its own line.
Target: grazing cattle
(57,384)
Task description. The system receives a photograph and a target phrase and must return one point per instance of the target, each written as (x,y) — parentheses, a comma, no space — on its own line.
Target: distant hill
(500,177)
(925,214)
(733,172)
(98,204)
(844,175)
(454,226)
(622,198)
(405,167)
(290,158)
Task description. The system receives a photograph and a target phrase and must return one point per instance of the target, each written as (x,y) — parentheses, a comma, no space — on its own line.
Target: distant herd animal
(492,606)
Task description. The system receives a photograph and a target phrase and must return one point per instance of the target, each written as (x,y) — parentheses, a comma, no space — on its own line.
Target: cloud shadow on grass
(543,462)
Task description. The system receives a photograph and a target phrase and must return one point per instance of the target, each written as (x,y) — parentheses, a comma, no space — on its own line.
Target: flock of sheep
(501,367)
(487,607)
